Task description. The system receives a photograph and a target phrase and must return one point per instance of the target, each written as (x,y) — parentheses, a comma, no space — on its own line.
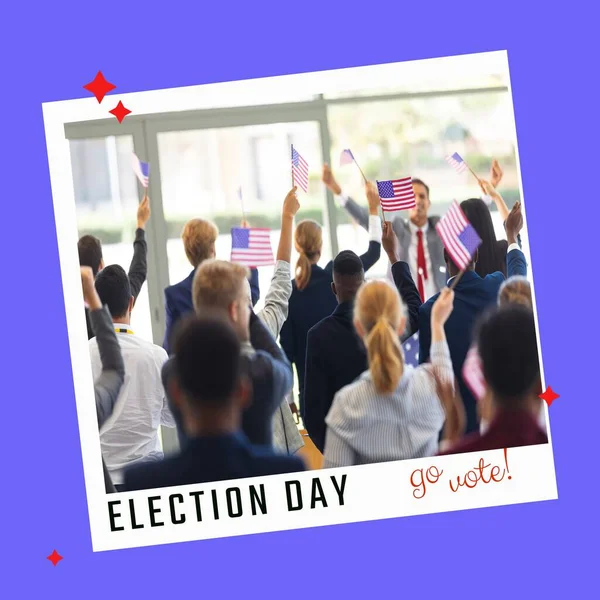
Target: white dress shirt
(429,283)
(130,435)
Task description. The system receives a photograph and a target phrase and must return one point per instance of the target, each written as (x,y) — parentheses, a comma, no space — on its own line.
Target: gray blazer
(402,231)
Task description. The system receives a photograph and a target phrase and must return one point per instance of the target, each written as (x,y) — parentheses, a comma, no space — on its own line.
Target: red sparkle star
(99,87)
(549,396)
(120,112)
(54,558)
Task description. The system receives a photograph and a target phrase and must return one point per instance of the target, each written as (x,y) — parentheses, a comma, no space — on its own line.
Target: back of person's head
(492,253)
(207,361)
(348,275)
(507,345)
(218,284)
(379,318)
(199,238)
(90,253)
(114,290)
(453,269)
(515,290)
(308,239)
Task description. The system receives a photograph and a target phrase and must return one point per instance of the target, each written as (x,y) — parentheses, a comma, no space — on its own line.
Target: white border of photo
(377,491)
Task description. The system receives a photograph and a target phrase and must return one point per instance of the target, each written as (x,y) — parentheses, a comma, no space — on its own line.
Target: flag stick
(473,173)
(361,171)
(293,182)
(457,279)
(242,203)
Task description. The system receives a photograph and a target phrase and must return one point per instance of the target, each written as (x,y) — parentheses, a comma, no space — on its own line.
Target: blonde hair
(199,237)
(309,242)
(217,284)
(379,310)
(515,290)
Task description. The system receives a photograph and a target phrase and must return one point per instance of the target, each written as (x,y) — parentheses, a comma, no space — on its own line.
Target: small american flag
(346,158)
(472,373)
(299,170)
(141,170)
(455,160)
(411,350)
(251,247)
(458,235)
(397,194)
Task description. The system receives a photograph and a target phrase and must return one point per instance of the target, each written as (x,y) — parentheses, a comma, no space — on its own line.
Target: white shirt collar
(414,228)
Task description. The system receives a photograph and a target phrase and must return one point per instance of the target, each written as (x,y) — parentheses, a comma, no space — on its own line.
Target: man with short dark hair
(508,348)
(210,390)
(90,255)
(131,434)
(335,355)
(419,244)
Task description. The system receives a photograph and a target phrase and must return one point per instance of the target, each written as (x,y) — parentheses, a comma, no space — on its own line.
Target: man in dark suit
(211,392)
(335,355)
(90,255)
(199,238)
(419,244)
(221,288)
(507,345)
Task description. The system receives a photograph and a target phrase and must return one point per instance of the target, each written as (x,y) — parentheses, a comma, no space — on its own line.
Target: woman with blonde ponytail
(312,298)
(392,411)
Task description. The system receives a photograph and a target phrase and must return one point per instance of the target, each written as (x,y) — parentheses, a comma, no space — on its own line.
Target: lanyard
(120,330)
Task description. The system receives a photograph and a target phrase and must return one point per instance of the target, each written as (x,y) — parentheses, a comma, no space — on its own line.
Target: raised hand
(329,180)
(442,307)
(514,223)
(372,197)
(291,206)
(143,212)
(389,241)
(496,174)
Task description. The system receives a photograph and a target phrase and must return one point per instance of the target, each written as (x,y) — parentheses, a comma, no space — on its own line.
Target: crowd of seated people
(223,376)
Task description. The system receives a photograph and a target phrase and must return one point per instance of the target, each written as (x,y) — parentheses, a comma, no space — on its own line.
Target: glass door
(106,202)
(201,171)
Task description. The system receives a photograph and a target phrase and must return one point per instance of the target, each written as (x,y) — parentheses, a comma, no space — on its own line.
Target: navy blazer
(178,302)
(336,356)
(208,459)
(308,306)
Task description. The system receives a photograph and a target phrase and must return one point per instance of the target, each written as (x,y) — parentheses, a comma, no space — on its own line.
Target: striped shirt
(365,427)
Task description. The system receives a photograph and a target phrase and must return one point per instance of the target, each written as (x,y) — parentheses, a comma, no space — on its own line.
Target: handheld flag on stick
(459,237)
(457,162)
(299,171)
(141,170)
(347,158)
(241,199)
(251,247)
(396,194)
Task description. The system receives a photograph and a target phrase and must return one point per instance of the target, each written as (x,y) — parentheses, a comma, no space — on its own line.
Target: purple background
(523,550)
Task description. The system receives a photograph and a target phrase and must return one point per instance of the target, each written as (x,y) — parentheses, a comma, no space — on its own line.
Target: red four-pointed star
(119,111)
(99,87)
(549,396)
(54,558)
